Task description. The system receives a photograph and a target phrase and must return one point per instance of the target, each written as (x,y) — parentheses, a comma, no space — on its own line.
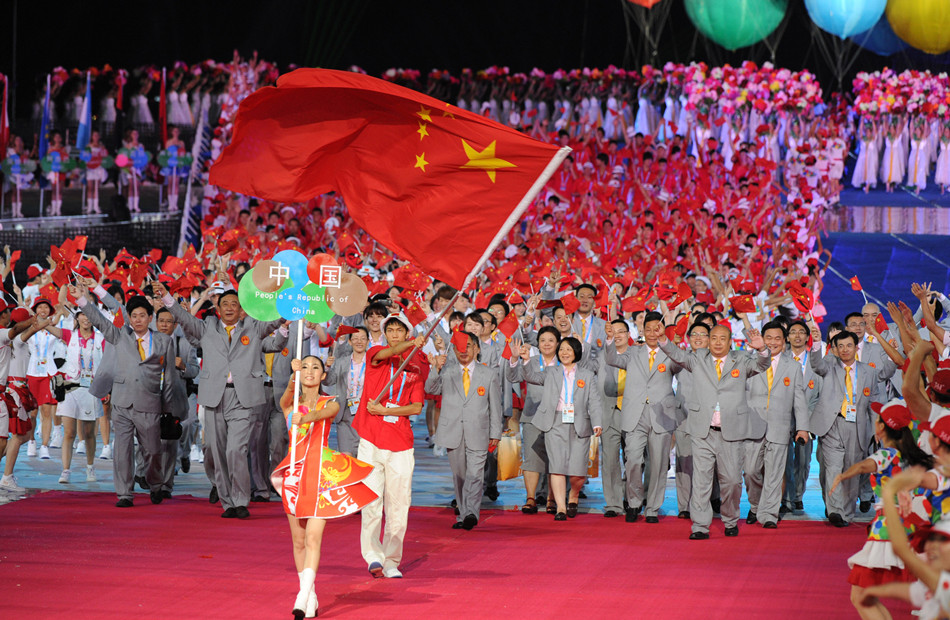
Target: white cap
(401,317)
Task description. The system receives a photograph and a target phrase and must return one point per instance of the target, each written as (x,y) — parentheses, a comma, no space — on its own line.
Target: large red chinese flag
(438,185)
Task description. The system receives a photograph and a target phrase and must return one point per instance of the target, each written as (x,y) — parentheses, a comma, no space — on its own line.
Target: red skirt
(865,577)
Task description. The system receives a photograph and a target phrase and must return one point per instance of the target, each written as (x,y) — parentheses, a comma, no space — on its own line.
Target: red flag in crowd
(742,303)
(855,284)
(344,330)
(509,324)
(402,160)
(460,340)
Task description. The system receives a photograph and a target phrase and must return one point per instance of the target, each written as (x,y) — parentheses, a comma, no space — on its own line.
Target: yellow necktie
(652,357)
(848,392)
(871,339)
(229,329)
(583,329)
(466,380)
(768,377)
(621,384)
(798,359)
(269,364)
(719,369)
(141,349)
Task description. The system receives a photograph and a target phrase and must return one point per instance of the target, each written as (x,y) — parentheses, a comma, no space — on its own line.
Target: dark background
(376,35)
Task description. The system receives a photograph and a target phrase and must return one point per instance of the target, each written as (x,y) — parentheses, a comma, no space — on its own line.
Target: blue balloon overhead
(880,39)
(844,18)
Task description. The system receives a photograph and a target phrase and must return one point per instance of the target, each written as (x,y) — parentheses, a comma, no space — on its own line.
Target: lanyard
(82,351)
(356,378)
(402,384)
(557,362)
(569,394)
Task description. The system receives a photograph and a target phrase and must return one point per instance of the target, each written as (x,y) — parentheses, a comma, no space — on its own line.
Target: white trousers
(391,480)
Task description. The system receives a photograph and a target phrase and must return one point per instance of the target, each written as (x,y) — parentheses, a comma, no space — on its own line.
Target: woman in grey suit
(570,411)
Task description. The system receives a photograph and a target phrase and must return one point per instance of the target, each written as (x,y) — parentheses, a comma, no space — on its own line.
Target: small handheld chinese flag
(855,284)
(509,324)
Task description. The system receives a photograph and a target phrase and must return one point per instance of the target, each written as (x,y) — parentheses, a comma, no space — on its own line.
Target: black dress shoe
(572,510)
(185,464)
(699,536)
(733,531)
(124,503)
(455,504)
(611,514)
(716,505)
(491,493)
(799,505)
(652,519)
(166,494)
(469,522)
(750,518)
(582,495)
(632,514)
(213,496)
(836,520)
(241,512)
(230,513)
(864,506)
(684,514)
(140,480)
(457,525)
(156,497)
(784,510)
(560,517)
(259,498)
(770,525)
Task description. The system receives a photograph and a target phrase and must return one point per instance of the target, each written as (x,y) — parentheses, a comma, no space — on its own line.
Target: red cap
(894,413)
(42,300)
(33,270)
(941,383)
(19,315)
(940,429)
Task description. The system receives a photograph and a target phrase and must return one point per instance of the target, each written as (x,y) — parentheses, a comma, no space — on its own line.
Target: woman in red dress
(321,483)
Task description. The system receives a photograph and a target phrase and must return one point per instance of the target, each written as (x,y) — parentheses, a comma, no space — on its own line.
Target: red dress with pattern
(322,483)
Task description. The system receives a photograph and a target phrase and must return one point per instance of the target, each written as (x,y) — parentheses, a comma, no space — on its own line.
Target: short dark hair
(575,345)
(844,335)
(164,309)
(620,322)
(852,315)
(226,293)
(376,309)
(499,300)
(652,316)
(586,285)
(549,329)
(139,301)
(477,317)
(775,325)
(800,323)
(693,327)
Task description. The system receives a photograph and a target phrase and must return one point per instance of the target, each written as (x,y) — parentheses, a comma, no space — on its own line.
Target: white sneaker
(8,483)
(81,448)
(56,439)
(106,453)
(392,573)
(31,448)
(64,477)
(195,454)
(201,456)
(90,473)
(44,452)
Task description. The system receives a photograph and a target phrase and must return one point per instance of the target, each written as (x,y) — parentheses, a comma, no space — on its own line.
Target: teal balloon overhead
(736,23)
(844,18)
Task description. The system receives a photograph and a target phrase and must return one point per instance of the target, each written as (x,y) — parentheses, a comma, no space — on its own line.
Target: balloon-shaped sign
(350,298)
(880,39)
(266,276)
(924,24)
(321,264)
(296,296)
(844,18)
(736,23)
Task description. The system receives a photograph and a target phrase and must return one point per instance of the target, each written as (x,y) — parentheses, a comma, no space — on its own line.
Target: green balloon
(319,311)
(736,23)
(259,305)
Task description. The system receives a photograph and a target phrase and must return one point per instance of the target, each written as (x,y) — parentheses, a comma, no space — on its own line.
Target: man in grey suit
(778,396)
(591,330)
(842,419)
(718,419)
(470,424)
(231,383)
(648,416)
(346,376)
(611,438)
(798,462)
(142,357)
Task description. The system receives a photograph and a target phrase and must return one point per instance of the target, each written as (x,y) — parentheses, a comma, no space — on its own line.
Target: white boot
(95,205)
(307,577)
(173,202)
(134,204)
(17,209)
(312,604)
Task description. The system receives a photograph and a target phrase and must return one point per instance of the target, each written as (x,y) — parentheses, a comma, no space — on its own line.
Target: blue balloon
(296,264)
(844,18)
(880,39)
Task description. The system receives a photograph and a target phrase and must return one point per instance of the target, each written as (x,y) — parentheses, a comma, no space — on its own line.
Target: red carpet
(74,555)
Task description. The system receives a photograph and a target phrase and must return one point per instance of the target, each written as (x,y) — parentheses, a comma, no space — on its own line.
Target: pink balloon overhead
(316,262)
(122,160)
(645,3)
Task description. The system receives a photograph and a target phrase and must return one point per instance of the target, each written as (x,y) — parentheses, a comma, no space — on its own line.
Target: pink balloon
(122,160)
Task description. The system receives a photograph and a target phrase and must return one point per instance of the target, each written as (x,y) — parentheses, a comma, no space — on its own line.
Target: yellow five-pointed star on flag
(422,131)
(484,160)
(421,162)
(425,114)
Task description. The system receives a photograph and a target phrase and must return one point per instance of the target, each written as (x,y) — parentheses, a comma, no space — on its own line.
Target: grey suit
(611,440)
(466,425)
(138,397)
(648,417)
(338,382)
(720,446)
(179,406)
(532,439)
(798,462)
(565,442)
(784,411)
(844,443)
(228,405)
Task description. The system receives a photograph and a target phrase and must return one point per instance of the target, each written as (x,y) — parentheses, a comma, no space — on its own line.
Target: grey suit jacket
(102,381)
(607,378)
(645,391)
(866,384)
(189,356)
(706,389)
(137,384)
(784,409)
(588,404)
(533,393)
(241,356)
(337,383)
(479,414)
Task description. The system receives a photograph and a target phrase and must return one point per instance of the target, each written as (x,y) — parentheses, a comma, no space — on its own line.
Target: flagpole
(293,428)
(446,310)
